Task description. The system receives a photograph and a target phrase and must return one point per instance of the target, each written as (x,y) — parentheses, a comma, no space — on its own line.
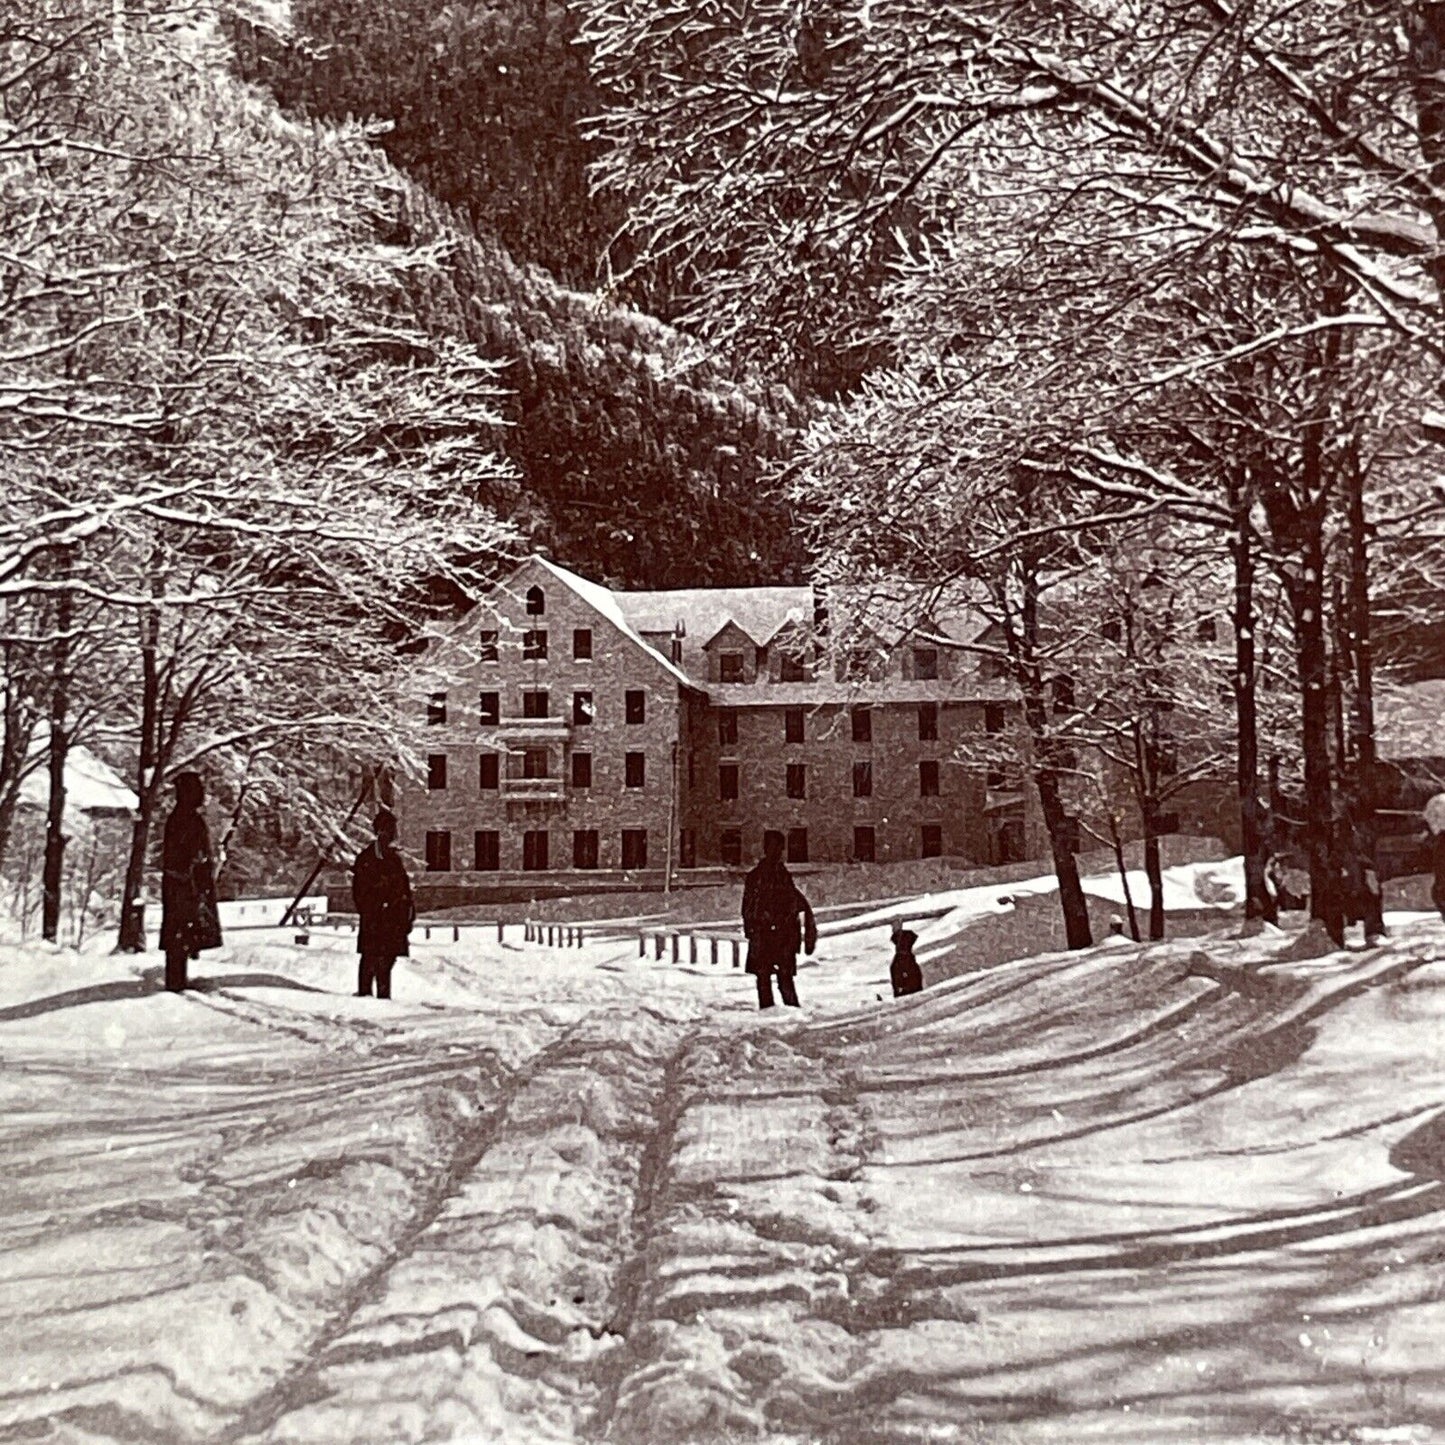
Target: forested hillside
(642,460)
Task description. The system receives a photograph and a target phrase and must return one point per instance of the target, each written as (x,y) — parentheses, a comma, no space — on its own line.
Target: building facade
(573,730)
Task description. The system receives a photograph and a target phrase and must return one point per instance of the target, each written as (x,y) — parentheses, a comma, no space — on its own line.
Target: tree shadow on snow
(148,983)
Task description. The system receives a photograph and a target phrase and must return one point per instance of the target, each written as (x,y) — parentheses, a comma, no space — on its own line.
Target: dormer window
(792,669)
(730,667)
(925,664)
(536,602)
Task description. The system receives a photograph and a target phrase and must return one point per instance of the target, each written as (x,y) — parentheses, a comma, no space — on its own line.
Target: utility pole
(671,822)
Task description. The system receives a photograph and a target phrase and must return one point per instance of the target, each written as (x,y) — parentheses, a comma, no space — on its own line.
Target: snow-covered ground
(550,1195)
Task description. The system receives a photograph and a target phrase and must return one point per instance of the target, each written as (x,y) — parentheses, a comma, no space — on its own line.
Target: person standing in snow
(771,907)
(904,972)
(1435,827)
(385,912)
(190,920)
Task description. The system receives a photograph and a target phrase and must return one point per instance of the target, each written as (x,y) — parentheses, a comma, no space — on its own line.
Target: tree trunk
(53,871)
(1153,870)
(1259,902)
(18,723)
(1364,794)
(132,937)
(1057,821)
(1124,876)
(1306,594)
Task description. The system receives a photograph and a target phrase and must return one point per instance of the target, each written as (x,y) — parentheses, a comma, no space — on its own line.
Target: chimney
(820,611)
(679,631)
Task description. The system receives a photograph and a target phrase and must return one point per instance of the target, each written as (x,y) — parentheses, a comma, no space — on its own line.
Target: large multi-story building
(579,730)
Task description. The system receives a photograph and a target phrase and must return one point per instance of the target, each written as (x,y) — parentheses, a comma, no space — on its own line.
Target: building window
(857,664)
(534,850)
(993,717)
(489,772)
(793,725)
(635,770)
(862,724)
(791,668)
(797,780)
(486,850)
(928,722)
(727,782)
(439,852)
(534,703)
(489,709)
(636,705)
(925,664)
(582,644)
(436,772)
(863,779)
(687,849)
(534,645)
(727,728)
(583,709)
(634,847)
(864,845)
(730,667)
(535,763)
(581,770)
(536,602)
(730,847)
(928,778)
(930,844)
(585,849)
(487,650)
(797,845)
(436,709)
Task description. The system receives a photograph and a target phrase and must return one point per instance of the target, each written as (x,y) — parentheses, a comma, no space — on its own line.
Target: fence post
(581,938)
(426,930)
(737,954)
(692,948)
(674,947)
(658,941)
(642,945)
(456,933)
(499,930)
(713,942)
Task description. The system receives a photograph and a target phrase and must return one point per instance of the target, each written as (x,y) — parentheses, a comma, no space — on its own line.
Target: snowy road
(565,1195)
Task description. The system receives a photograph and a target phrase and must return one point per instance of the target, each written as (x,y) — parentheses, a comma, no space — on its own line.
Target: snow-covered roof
(91,784)
(606,602)
(651,619)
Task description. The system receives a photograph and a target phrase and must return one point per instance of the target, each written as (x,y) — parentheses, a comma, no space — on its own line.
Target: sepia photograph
(722,722)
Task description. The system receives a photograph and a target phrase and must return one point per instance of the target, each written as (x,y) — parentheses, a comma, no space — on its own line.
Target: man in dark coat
(385,911)
(190,920)
(771,906)
(904,971)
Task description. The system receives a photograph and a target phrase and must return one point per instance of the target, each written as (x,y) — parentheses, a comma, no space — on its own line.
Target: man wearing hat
(190,920)
(382,893)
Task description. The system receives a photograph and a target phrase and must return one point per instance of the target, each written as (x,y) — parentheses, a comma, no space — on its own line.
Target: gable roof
(704,611)
(600,599)
(649,619)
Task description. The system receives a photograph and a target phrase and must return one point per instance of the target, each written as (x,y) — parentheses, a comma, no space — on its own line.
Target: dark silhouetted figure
(907,976)
(1437,866)
(771,906)
(190,920)
(384,907)
(1356,879)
